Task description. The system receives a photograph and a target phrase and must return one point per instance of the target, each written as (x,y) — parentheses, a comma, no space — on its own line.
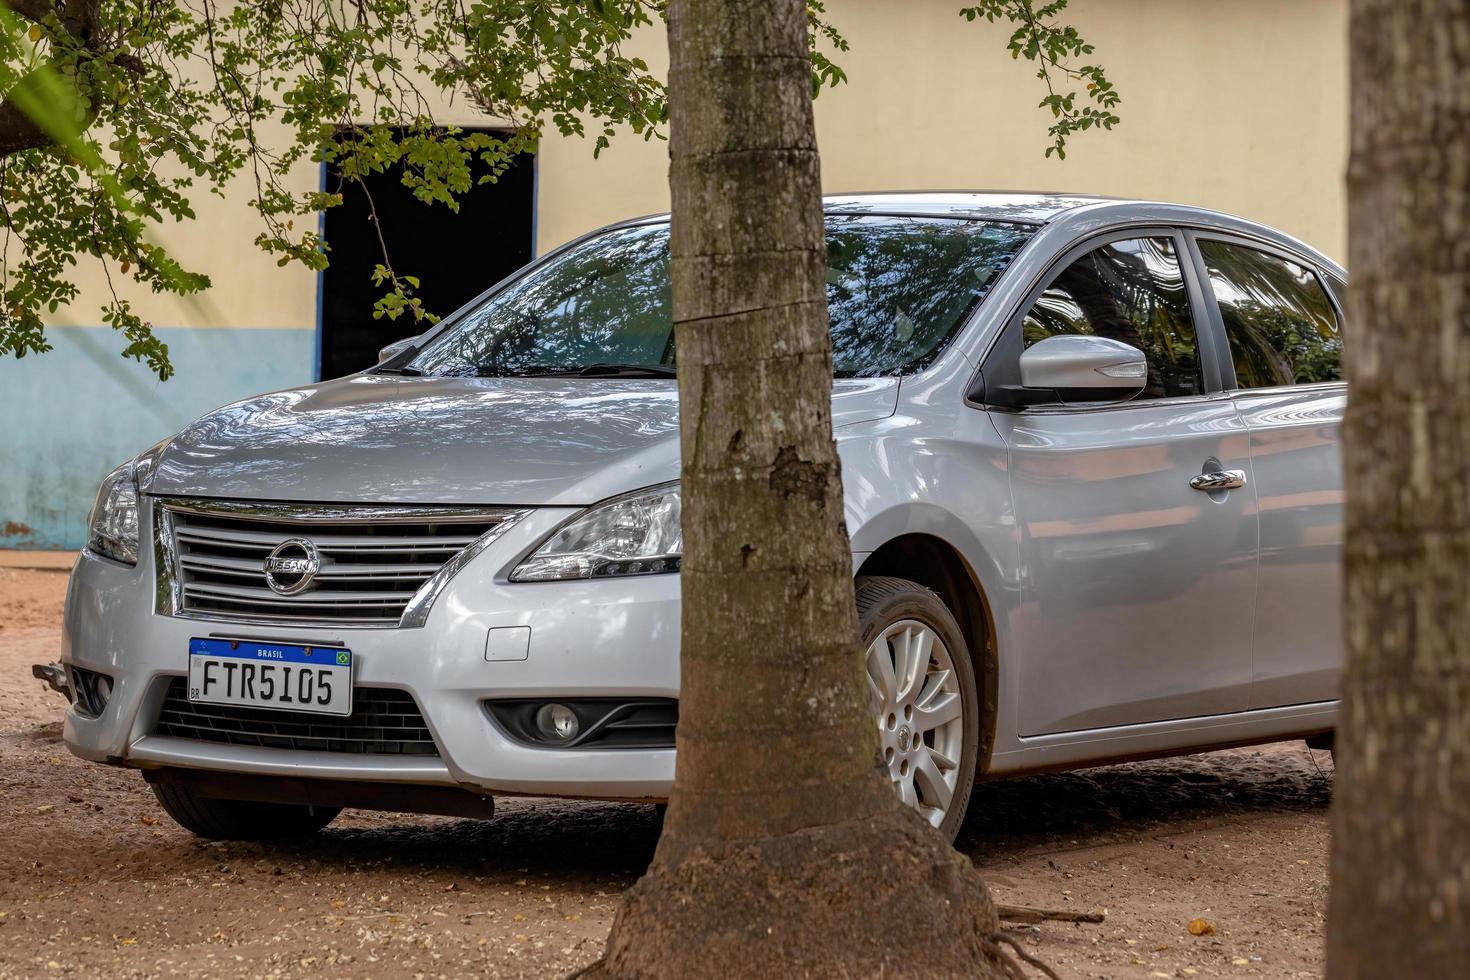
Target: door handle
(1219,480)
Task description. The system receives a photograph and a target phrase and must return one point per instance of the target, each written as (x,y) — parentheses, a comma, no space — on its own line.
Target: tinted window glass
(897,289)
(1131,291)
(1282,327)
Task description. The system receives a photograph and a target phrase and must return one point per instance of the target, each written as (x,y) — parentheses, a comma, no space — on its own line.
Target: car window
(898,289)
(1131,291)
(1282,327)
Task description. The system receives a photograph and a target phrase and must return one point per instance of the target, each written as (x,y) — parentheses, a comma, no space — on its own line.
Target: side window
(1281,325)
(1131,291)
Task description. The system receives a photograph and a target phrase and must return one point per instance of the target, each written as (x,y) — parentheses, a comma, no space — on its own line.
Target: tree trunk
(784,852)
(1400,902)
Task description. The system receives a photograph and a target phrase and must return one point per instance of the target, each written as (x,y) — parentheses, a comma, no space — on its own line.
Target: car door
(1137,590)
(1283,328)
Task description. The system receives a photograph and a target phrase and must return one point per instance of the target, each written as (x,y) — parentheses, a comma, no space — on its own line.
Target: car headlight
(113,526)
(636,534)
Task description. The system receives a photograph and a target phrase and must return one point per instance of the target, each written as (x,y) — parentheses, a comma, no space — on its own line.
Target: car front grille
(383,722)
(377,566)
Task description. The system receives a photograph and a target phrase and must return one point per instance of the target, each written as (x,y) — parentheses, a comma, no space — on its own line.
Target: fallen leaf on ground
(1201,927)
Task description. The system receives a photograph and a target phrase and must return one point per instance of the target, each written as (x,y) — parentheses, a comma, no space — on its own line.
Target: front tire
(244,820)
(922,682)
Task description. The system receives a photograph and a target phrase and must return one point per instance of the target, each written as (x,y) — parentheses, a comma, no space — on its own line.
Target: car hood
(389,439)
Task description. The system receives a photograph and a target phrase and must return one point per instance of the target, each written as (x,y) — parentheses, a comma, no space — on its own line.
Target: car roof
(1077,213)
(1025,207)
(1029,207)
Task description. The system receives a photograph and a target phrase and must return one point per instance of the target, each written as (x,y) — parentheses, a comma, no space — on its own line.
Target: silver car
(1090,450)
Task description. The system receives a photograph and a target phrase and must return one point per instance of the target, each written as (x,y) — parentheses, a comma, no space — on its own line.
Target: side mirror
(1079,367)
(398,347)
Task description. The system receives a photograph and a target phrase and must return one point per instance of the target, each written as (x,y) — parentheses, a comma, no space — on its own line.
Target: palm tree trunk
(1400,902)
(784,853)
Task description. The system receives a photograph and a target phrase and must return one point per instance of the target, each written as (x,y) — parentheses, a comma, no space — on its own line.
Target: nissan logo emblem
(291,566)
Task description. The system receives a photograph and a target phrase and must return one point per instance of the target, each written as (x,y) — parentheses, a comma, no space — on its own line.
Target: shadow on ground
(1007,817)
(1095,805)
(548,840)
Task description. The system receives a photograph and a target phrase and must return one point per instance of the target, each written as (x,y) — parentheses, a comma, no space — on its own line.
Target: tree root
(877,897)
(1018,973)
(593,969)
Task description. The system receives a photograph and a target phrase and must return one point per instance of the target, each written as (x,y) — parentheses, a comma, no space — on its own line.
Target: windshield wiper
(610,370)
(406,371)
(598,370)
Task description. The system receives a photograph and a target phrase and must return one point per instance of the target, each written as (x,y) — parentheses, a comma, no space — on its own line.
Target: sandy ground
(95,880)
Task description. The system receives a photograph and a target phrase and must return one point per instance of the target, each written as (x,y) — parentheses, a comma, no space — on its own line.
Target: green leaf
(1040,38)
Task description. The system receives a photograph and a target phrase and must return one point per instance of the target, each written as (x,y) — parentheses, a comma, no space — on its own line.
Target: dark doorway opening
(455,256)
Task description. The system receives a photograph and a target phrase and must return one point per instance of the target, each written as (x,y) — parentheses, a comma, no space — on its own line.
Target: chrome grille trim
(382,565)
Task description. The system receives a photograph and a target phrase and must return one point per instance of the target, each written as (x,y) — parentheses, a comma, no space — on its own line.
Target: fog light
(90,691)
(557,723)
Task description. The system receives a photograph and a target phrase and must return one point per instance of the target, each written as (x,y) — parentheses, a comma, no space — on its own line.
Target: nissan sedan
(1090,451)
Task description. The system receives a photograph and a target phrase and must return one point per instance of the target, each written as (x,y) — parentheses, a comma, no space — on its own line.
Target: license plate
(271,675)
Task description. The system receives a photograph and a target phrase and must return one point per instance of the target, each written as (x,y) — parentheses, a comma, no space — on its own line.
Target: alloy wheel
(916,703)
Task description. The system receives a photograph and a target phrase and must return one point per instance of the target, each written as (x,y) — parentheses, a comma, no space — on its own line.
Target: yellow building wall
(1238,106)
(248,289)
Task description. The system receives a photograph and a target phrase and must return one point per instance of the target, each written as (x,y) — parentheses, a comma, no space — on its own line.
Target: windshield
(897,290)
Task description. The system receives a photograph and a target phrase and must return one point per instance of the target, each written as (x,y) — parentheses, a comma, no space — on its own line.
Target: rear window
(1282,327)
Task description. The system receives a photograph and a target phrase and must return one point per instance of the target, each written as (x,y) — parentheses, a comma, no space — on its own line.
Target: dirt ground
(95,881)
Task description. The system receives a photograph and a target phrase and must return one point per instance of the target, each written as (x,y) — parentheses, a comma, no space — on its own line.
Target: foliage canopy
(117,113)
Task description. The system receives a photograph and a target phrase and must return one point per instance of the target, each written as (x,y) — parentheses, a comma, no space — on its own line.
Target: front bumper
(605,638)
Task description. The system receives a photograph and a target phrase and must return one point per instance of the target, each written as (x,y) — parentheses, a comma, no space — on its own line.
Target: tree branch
(17,130)
(80,19)
(1020,913)
(32,10)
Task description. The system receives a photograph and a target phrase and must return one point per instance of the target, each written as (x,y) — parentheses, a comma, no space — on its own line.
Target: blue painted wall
(69,416)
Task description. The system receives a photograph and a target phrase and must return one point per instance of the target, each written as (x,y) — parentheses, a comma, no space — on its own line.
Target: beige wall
(1240,106)
(248,288)
(1233,104)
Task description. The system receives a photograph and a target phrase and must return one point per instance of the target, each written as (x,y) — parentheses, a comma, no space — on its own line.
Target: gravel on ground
(1207,866)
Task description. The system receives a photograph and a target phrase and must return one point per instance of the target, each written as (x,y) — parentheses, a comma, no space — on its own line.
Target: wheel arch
(938,566)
